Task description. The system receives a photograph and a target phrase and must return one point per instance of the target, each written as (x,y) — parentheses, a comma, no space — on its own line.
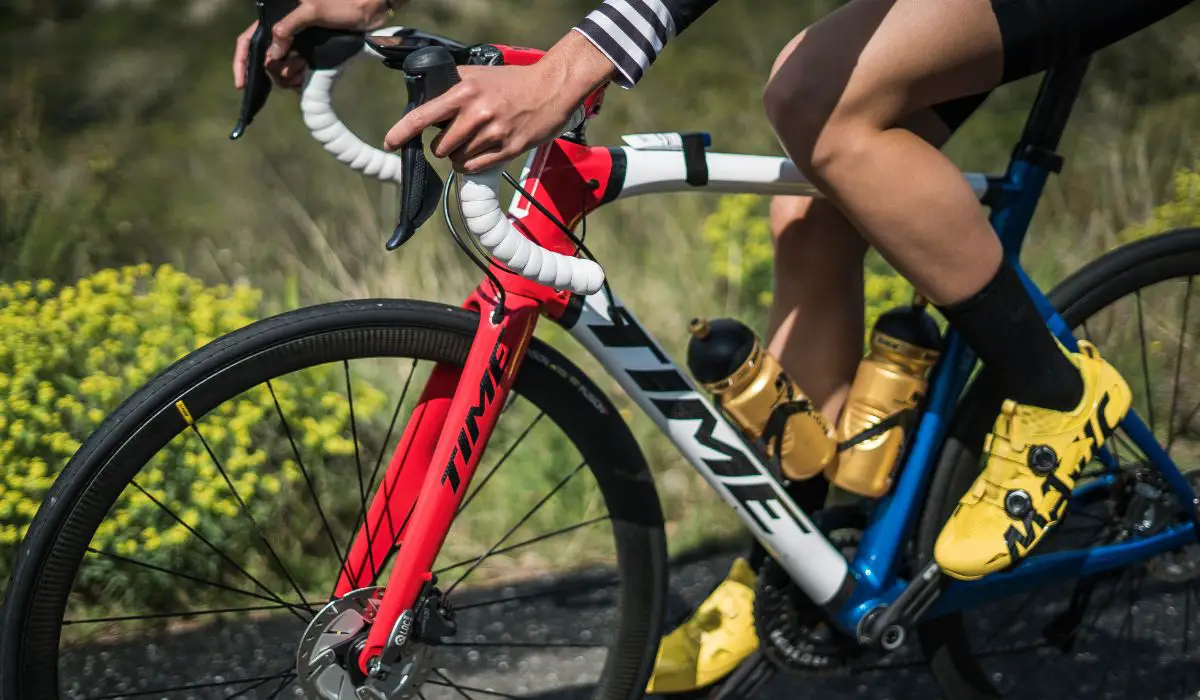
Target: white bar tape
(479,195)
(480,202)
(316,103)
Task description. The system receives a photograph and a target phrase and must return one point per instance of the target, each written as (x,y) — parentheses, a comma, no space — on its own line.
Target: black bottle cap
(718,348)
(912,325)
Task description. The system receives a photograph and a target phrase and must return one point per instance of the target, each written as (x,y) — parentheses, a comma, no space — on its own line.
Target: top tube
(655,171)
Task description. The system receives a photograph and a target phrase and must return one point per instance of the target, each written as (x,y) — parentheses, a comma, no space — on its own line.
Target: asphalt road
(254,659)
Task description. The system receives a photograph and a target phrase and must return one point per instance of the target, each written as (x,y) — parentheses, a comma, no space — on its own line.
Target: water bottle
(751,387)
(889,385)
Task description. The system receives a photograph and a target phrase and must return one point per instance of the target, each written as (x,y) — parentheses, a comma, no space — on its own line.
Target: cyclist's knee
(815,114)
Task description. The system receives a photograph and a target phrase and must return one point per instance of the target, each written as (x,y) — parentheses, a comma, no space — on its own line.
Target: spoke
(1010,650)
(181,614)
(358,470)
(1187,297)
(594,585)
(499,463)
(1191,414)
(194,686)
(388,486)
(387,496)
(246,511)
(522,645)
(1125,623)
(1129,642)
(259,684)
(1013,614)
(539,538)
(1121,438)
(558,487)
(395,546)
(387,440)
(308,481)
(283,684)
(446,682)
(274,596)
(1187,619)
(1027,670)
(1145,361)
(1085,514)
(294,608)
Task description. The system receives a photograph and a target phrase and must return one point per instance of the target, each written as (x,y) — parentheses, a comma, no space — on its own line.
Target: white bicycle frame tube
(707,439)
(654,171)
(711,444)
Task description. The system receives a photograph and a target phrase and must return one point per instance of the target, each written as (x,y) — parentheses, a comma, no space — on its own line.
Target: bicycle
(387,616)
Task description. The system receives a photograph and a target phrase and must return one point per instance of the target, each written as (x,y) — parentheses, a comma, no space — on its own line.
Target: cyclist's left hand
(497,113)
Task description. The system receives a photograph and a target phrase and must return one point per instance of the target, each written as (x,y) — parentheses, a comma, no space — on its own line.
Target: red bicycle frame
(449,428)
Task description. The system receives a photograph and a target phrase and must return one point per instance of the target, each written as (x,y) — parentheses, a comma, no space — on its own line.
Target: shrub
(1181,211)
(740,235)
(69,355)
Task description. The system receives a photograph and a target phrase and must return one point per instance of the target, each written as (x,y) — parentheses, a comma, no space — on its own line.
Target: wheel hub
(327,657)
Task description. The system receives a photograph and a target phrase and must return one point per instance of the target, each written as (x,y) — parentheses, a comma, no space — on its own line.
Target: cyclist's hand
(498,113)
(285,67)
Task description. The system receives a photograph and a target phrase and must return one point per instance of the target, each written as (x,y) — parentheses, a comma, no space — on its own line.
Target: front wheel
(1131,632)
(190,541)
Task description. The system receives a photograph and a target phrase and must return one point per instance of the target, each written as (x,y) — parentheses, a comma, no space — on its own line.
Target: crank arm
(887,625)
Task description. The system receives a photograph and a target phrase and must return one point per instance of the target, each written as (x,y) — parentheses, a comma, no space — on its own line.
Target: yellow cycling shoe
(713,641)
(1034,456)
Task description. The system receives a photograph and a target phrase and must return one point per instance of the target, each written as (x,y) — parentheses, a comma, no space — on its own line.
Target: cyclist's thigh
(875,62)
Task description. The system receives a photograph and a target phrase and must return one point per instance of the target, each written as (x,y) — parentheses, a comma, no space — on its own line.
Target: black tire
(52,551)
(1103,282)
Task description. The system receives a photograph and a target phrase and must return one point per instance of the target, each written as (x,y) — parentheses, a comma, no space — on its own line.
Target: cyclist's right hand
(285,67)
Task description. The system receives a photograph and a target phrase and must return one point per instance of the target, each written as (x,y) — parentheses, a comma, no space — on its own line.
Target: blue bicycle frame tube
(894,518)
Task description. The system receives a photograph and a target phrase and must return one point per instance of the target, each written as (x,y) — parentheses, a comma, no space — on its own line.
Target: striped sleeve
(631,33)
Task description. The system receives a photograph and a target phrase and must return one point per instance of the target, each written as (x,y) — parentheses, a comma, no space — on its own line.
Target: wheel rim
(502,574)
(1138,632)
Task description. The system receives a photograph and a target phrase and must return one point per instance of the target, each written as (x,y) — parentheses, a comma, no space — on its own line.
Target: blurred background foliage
(114,119)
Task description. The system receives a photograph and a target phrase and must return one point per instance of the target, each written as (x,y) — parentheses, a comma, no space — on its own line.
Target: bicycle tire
(1117,274)
(107,461)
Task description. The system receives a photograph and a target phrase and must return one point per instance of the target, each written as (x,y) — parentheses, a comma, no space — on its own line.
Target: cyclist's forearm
(631,33)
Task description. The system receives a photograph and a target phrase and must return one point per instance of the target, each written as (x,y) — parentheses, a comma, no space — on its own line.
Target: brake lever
(258,83)
(429,72)
(319,47)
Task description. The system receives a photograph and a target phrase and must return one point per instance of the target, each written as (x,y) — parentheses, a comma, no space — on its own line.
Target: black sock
(1004,328)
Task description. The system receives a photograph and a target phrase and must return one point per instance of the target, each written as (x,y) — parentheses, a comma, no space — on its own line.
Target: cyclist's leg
(833,99)
(815,326)
(815,329)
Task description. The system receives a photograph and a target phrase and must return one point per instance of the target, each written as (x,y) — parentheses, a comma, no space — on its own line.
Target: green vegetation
(113,153)
(69,356)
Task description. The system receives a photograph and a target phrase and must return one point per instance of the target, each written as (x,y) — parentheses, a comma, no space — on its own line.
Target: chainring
(793,632)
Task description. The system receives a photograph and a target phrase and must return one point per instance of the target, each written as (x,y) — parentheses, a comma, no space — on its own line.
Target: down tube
(714,447)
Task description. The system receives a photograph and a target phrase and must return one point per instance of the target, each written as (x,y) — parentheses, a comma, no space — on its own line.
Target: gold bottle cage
(898,419)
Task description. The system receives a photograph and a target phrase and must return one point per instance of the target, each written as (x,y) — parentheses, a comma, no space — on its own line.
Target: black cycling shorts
(1037,34)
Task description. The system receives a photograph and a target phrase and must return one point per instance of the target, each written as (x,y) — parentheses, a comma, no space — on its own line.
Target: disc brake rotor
(327,657)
